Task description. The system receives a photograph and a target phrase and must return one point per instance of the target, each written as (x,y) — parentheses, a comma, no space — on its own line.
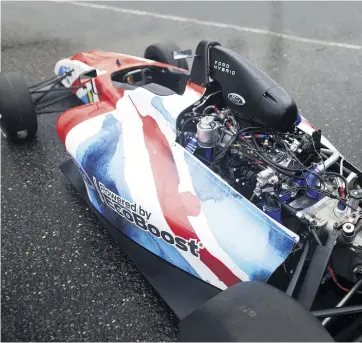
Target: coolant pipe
(345,169)
(329,161)
(312,178)
(327,151)
(208,154)
(351,177)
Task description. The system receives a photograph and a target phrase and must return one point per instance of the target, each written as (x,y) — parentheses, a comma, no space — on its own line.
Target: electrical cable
(289,172)
(223,152)
(322,191)
(295,189)
(334,278)
(306,168)
(341,177)
(282,169)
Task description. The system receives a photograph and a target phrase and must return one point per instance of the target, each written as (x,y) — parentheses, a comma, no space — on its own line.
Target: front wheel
(163,52)
(18,119)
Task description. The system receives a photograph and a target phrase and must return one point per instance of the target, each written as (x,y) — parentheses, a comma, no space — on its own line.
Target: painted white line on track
(213,24)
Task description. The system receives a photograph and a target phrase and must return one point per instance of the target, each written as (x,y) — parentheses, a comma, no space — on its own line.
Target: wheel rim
(3,133)
(1,127)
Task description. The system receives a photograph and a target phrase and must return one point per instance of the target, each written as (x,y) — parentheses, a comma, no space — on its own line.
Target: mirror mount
(180,54)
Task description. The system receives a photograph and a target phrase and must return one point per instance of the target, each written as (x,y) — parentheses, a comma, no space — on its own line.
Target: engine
(291,176)
(247,129)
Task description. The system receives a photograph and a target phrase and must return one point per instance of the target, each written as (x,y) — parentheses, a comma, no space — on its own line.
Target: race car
(240,213)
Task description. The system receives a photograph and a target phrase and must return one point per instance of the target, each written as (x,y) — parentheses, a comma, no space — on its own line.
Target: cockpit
(158,80)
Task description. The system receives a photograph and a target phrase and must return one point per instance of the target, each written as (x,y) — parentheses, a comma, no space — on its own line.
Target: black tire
(18,118)
(252,312)
(162,52)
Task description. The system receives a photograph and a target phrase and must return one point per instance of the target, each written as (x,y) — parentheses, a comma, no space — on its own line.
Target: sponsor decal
(236,99)
(223,67)
(140,217)
(63,69)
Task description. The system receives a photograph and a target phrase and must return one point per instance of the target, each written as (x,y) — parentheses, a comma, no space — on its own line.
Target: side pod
(182,292)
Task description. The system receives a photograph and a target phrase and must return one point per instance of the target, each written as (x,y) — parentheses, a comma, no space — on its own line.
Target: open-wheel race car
(242,215)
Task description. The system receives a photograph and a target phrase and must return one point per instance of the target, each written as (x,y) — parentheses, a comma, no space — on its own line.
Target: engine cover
(250,92)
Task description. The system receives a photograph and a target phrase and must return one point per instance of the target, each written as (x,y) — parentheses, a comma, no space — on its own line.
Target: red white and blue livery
(213,171)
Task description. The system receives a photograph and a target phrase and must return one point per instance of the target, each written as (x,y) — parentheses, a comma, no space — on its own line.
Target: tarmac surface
(63,277)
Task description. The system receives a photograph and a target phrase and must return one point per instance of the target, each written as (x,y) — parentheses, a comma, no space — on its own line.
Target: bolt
(353,215)
(335,225)
(314,223)
(358,270)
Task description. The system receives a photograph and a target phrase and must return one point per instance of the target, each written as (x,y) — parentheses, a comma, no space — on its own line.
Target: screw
(335,225)
(314,223)
(353,215)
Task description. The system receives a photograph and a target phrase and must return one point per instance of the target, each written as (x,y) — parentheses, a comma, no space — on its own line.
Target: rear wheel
(18,119)
(163,52)
(252,312)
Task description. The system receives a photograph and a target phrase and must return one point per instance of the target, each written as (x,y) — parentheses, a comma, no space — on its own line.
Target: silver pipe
(351,177)
(344,300)
(329,161)
(327,151)
(207,108)
(205,99)
(341,166)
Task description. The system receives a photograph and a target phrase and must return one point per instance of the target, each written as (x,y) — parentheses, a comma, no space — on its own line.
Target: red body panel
(108,94)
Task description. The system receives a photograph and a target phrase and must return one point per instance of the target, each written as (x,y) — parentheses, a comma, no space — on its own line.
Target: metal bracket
(316,270)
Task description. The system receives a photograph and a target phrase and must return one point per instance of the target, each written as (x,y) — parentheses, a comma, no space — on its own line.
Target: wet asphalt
(62,277)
